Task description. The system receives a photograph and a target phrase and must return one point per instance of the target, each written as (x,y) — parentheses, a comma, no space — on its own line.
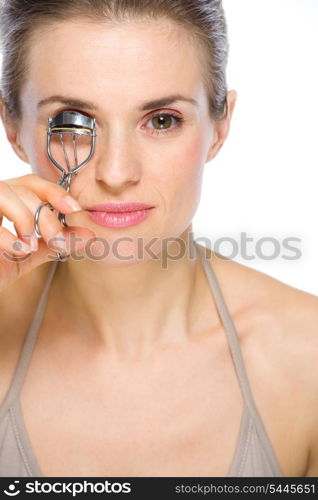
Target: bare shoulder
(17,305)
(282,317)
(278,329)
(257,298)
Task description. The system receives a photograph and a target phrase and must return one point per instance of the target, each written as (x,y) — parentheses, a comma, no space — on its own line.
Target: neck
(132,309)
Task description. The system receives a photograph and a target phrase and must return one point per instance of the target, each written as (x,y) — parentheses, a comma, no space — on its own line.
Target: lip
(119,219)
(122,207)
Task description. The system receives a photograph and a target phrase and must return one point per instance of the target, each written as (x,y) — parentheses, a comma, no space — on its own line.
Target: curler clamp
(65,125)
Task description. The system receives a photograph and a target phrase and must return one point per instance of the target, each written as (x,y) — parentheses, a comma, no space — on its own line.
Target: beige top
(254,455)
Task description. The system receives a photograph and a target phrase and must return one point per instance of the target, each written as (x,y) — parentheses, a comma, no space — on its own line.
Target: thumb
(76,238)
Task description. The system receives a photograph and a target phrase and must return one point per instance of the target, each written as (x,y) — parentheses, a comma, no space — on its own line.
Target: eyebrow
(165,101)
(68,101)
(76,103)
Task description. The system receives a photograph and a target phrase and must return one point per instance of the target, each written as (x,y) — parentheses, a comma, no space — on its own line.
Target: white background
(264,180)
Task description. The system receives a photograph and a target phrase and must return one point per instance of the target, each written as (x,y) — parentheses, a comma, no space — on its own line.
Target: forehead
(123,60)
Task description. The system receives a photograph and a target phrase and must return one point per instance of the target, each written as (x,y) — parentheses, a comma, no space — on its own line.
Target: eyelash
(179,122)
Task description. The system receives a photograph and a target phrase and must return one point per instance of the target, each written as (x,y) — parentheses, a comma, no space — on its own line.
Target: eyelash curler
(68,124)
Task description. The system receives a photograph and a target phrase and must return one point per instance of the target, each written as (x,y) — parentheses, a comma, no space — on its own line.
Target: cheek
(39,161)
(181,180)
(33,137)
(43,167)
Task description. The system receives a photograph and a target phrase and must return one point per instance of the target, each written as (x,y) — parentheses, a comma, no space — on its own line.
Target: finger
(76,239)
(49,225)
(25,263)
(12,207)
(47,191)
(51,228)
(11,244)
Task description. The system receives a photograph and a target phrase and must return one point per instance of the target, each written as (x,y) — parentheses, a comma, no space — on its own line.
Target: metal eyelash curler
(79,126)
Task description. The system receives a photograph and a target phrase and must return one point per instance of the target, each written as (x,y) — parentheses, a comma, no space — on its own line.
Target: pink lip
(119,219)
(118,207)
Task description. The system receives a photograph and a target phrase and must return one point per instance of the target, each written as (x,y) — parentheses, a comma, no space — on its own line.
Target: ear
(12,130)
(222,127)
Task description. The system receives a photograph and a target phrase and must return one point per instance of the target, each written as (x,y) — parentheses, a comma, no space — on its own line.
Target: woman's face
(116,71)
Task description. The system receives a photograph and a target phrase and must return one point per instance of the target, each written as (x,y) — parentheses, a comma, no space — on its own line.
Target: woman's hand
(19,199)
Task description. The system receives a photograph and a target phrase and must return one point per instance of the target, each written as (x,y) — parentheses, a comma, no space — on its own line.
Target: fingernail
(20,246)
(61,241)
(71,203)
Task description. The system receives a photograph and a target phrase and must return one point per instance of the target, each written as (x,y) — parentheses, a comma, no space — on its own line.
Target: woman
(132,363)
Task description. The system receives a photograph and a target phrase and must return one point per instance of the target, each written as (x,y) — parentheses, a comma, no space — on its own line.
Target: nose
(117,163)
